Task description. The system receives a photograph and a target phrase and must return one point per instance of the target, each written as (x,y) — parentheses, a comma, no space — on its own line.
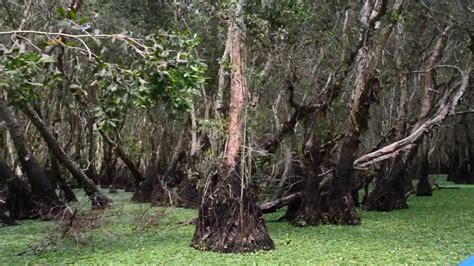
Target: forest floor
(436,229)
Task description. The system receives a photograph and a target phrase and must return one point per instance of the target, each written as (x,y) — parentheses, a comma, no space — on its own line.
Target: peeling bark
(229,218)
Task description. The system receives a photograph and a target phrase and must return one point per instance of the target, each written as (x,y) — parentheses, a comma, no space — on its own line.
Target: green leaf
(82,21)
(61,12)
(73,14)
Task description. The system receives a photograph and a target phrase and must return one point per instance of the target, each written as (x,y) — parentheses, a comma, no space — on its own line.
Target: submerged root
(339,208)
(308,219)
(229,219)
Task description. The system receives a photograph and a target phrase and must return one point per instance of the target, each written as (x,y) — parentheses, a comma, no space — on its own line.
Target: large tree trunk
(338,205)
(98,200)
(40,184)
(229,218)
(309,211)
(423,187)
(390,192)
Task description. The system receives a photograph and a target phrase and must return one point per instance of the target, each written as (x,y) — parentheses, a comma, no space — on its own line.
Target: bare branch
(447,108)
(121,37)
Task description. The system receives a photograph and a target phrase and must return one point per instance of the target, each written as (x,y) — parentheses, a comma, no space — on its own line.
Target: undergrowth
(436,229)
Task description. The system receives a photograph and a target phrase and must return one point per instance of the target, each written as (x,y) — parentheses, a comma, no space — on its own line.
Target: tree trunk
(309,211)
(5,179)
(21,202)
(423,187)
(161,194)
(108,171)
(229,218)
(466,172)
(422,126)
(61,181)
(411,142)
(338,205)
(98,200)
(40,184)
(128,162)
(143,192)
(91,170)
(388,193)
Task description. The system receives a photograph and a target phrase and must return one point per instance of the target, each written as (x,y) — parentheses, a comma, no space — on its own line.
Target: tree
(40,185)
(339,205)
(229,218)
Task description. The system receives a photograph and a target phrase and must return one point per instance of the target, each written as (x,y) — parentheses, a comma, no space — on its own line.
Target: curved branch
(447,108)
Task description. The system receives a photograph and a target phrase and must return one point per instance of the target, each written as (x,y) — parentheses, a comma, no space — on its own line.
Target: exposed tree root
(100,201)
(389,192)
(229,220)
(338,207)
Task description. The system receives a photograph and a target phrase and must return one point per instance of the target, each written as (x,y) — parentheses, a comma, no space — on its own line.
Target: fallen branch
(446,109)
(274,205)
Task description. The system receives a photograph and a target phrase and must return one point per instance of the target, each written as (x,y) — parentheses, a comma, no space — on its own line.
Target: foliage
(147,65)
(163,68)
(435,230)
(166,70)
(23,74)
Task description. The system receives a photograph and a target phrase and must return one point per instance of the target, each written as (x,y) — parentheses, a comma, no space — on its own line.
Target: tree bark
(338,206)
(40,184)
(274,205)
(388,192)
(91,170)
(423,187)
(309,211)
(229,218)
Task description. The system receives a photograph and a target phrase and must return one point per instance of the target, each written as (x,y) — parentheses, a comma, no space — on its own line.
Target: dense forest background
(236,108)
